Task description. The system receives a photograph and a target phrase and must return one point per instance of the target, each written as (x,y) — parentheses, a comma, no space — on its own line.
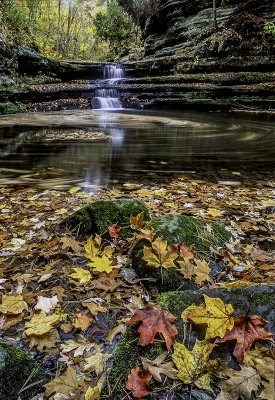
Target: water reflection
(139,141)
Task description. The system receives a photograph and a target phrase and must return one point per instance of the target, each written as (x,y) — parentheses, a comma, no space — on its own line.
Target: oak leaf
(155,320)
(114,230)
(216,315)
(156,367)
(67,384)
(13,304)
(246,331)
(160,255)
(194,366)
(41,324)
(240,385)
(82,275)
(185,252)
(138,222)
(101,264)
(138,381)
(202,271)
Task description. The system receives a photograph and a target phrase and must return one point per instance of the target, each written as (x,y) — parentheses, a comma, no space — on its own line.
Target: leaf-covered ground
(67,312)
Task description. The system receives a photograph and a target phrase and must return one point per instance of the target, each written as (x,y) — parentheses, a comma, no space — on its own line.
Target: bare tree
(215,15)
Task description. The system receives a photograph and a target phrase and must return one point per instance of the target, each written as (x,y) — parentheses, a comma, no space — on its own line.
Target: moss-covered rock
(11,108)
(98,216)
(247,300)
(178,229)
(17,369)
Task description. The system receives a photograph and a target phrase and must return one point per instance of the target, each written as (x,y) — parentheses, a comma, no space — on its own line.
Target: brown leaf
(156,367)
(155,320)
(146,234)
(138,381)
(185,252)
(113,230)
(246,331)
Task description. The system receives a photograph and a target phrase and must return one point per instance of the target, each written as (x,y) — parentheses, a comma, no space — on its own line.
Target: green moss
(10,108)
(16,367)
(98,216)
(178,229)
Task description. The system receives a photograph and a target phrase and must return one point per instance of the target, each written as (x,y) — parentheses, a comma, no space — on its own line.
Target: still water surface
(140,141)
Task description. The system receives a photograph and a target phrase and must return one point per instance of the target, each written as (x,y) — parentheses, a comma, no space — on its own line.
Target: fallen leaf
(40,324)
(82,275)
(101,264)
(94,308)
(138,222)
(81,321)
(185,252)
(78,347)
(216,315)
(156,367)
(246,331)
(155,320)
(214,212)
(194,366)
(46,304)
(92,247)
(92,393)
(13,304)
(138,381)
(69,242)
(146,234)
(202,271)
(96,363)
(186,269)
(66,383)
(160,255)
(114,230)
(240,385)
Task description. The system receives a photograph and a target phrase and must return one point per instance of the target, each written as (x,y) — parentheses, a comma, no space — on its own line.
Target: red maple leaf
(245,331)
(113,230)
(185,252)
(155,320)
(137,382)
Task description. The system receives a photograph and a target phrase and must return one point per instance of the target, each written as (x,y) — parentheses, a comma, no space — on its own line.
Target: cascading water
(107,97)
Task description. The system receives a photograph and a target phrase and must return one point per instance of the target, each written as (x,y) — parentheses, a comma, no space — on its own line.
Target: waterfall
(108,97)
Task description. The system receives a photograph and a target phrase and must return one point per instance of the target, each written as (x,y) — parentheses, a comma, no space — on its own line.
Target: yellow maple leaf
(43,342)
(101,264)
(138,222)
(96,363)
(214,212)
(92,247)
(82,275)
(92,393)
(13,304)
(216,315)
(94,308)
(202,271)
(194,366)
(40,324)
(186,268)
(187,311)
(160,255)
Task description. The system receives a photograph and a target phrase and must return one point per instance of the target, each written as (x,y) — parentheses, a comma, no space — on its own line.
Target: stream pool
(138,142)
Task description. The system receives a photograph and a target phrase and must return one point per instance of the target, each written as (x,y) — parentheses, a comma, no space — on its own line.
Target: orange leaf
(245,331)
(113,230)
(137,382)
(155,320)
(146,234)
(185,252)
(81,321)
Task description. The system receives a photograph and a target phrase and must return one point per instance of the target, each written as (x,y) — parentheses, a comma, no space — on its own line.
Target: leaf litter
(68,298)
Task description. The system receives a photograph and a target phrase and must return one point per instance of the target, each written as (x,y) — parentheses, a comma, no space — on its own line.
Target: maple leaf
(216,315)
(185,252)
(160,255)
(137,222)
(146,234)
(240,385)
(186,269)
(187,311)
(114,230)
(194,366)
(40,324)
(246,331)
(79,347)
(155,320)
(82,275)
(81,321)
(69,242)
(67,384)
(92,393)
(156,367)
(46,341)
(202,271)
(13,304)
(94,308)
(101,264)
(96,363)
(92,247)
(138,381)
(46,303)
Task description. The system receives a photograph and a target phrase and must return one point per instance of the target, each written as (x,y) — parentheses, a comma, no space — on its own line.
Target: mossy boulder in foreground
(246,300)
(17,369)
(197,234)
(11,108)
(98,216)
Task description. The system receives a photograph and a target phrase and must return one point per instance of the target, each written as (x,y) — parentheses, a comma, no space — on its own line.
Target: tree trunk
(58,28)
(215,15)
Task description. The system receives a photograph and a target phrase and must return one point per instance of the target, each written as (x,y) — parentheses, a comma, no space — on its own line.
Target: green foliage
(269,27)
(117,28)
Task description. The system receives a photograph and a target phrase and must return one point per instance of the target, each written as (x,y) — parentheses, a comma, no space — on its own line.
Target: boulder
(246,300)
(18,371)
(197,234)
(98,216)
